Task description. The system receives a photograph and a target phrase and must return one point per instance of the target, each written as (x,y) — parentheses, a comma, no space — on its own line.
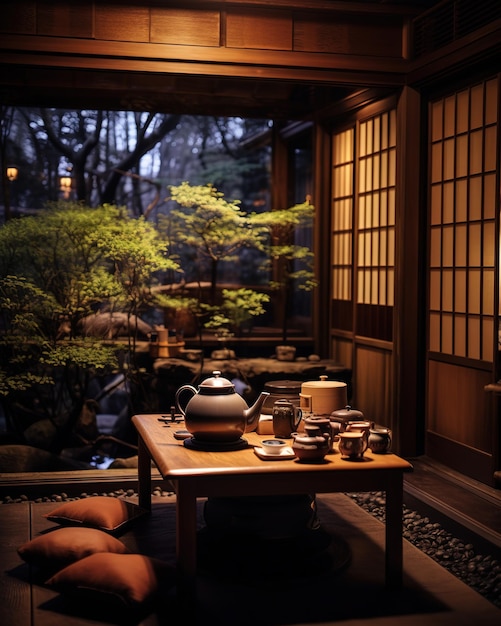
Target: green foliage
(293,262)
(283,222)
(282,226)
(28,312)
(214,228)
(82,257)
(137,253)
(56,268)
(238,307)
(86,353)
(168,301)
(62,252)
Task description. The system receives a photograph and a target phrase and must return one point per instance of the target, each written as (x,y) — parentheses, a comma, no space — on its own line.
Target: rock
(40,434)
(109,326)
(130,462)
(21,458)
(86,425)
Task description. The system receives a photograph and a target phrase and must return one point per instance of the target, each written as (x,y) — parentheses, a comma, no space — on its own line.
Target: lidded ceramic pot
(380,440)
(323,396)
(215,412)
(280,390)
(311,446)
(342,417)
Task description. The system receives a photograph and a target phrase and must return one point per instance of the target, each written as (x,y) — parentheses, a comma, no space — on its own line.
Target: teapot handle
(299,417)
(305,402)
(182,410)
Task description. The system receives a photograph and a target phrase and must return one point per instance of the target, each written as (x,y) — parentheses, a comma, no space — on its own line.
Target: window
(462,222)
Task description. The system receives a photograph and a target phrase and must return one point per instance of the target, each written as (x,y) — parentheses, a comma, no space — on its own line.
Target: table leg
(186,543)
(394,530)
(144,475)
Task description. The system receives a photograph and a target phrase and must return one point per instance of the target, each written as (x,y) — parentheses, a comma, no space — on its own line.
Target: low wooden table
(195,473)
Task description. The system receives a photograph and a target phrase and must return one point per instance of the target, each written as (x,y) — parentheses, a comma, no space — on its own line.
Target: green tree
(56,269)
(215,229)
(238,307)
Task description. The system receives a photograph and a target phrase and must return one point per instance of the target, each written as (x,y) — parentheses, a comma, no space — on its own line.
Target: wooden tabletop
(174,460)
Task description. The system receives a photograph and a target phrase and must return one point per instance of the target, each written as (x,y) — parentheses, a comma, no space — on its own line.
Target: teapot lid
(216,384)
(347,414)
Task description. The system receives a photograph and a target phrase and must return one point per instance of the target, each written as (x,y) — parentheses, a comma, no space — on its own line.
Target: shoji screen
(462,223)
(342,228)
(375,262)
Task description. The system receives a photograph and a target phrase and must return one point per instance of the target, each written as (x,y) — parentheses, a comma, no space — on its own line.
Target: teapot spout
(253,413)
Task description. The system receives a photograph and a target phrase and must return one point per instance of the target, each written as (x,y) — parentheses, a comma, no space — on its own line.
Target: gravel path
(481,572)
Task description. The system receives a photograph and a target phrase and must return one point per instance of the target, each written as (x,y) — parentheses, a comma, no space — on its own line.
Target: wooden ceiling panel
(59,87)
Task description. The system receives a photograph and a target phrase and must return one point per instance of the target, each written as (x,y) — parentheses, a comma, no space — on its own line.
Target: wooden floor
(236,582)
(353,596)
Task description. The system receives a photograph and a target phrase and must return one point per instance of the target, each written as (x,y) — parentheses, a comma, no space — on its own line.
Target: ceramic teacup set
(314,434)
(216,417)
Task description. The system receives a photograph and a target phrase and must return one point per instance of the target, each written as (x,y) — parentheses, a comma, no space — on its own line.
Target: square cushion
(102,512)
(133,579)
(66,545)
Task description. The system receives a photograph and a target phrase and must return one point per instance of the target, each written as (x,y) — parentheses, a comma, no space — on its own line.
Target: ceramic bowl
(273,446)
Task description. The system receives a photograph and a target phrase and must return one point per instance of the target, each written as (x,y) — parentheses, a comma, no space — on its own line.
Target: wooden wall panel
(345,36)
(59,19)
(259,29)
(266,30)
(19,18)
(177,26)
(342,351)
(458,407)
(372,385)
(114,23)
(311,36)
(161,37)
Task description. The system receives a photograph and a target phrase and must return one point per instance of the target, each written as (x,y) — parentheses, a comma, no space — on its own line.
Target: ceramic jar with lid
(380,440)
(323,424)
(323,396)
(342,417)
(310,447)
(280,390)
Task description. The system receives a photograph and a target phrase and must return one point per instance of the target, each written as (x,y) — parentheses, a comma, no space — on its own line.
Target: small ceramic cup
(352,444)
(380,440)
(273,446)
(359,426)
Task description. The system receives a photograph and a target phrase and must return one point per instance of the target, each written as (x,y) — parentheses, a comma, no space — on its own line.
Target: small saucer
(286,453)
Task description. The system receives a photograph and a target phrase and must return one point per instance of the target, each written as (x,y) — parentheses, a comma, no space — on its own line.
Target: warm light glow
(65,182)
(65,186)
(12,172)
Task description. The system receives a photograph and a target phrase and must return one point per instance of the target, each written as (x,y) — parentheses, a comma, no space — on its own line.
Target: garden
(83,290)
